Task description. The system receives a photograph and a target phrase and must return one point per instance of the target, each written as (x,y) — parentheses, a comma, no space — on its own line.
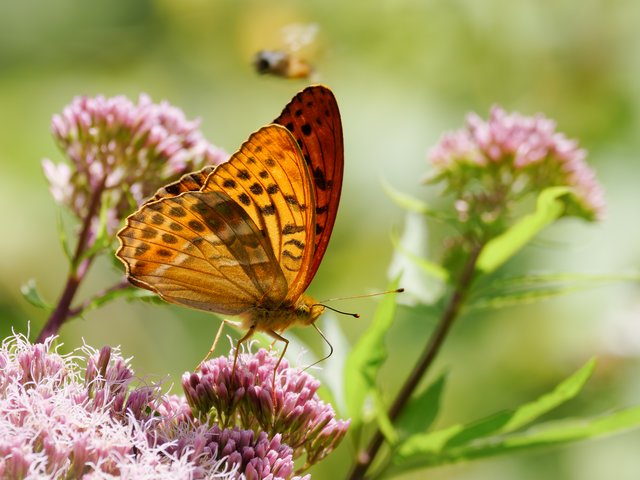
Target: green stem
(365,458)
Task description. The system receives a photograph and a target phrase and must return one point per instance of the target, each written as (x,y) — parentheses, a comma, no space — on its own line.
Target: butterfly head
(307,310)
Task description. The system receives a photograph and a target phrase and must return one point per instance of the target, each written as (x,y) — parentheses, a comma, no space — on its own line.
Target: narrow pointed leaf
(384,422)
(428,267)
(422,409)
(525,289)
(413,204)
(550,434)
(437,444)
(30,293)
(407,202)
(522,298)
(502,248)
(367,357)
(102,239)
(64,240)
(127,293)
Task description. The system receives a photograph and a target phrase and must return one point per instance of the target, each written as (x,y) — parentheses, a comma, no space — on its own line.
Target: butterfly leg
(215,341)
(276,336)
(246,337)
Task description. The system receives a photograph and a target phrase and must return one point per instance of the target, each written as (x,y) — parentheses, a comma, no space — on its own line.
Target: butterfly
(246,237)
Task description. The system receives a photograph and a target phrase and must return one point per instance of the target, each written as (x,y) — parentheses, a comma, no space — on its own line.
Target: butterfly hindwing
(202,251)
(313,118)
(189,182)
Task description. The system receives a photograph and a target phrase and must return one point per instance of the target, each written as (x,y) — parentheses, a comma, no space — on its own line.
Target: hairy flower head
(491,164)
(81,415)
(123,151)
(247,399)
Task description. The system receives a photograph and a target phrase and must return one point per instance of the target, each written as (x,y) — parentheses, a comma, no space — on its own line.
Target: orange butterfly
(246,237)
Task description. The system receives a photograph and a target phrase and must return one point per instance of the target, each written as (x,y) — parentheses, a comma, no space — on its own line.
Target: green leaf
(428,449)
(422,409)
(407,201)
(503,247)
(550,434)
(367,357)
(564,392)
(102,239)
(531,288)
(506,422)
(428,267)
(384,422)
(30,293)
(522,298)
(532,280)
(64,240)
(128,293)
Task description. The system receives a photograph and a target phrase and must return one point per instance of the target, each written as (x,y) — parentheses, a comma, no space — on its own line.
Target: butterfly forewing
(201,250)
(252,231)
(314,120)
(189,182)
(268,177)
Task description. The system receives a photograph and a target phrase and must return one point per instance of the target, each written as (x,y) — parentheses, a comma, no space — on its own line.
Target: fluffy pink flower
(60,420)
(123,151)
(246,398)
(509,155)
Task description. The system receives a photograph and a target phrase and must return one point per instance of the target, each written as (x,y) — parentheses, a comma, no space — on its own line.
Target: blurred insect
(287,62)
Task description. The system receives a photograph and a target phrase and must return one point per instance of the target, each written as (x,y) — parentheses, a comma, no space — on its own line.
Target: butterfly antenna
(327,341)
(397,290)
(355,315)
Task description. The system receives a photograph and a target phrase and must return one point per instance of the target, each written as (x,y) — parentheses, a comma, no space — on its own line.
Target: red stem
(77,271)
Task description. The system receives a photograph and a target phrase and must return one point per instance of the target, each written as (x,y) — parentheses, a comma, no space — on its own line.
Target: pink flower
(510,155)
(124,151)
(60,420)
(246,398)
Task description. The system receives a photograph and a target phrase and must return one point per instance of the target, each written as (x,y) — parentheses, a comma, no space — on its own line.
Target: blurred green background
(403,72)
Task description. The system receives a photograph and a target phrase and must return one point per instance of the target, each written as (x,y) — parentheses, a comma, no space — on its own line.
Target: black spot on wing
(177,212)
(287,253)
(290,229)
(149,233)
(169,238)
(296,243)
(196,226)
(244,199)
(268,210)
(319,179)
(256,189)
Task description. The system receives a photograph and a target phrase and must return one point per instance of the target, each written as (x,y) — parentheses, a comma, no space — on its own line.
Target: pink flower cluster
(247,399)
(60,420)
(520,154)
(123,150)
